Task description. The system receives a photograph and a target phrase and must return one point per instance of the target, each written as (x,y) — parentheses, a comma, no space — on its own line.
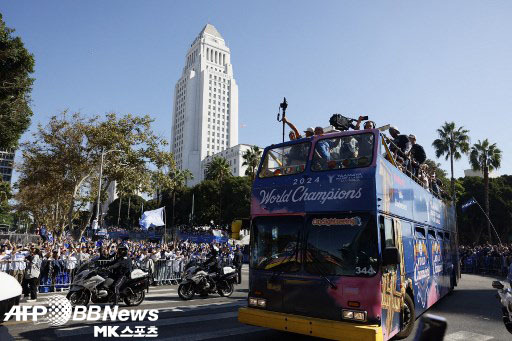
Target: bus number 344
(365,271)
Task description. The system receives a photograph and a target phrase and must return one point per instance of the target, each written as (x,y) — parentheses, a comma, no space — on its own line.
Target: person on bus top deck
(401,143)
(308,132)
(324,146)
(417,154)
(365,141)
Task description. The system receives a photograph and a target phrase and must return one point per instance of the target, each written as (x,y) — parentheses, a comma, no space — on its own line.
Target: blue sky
(412,64)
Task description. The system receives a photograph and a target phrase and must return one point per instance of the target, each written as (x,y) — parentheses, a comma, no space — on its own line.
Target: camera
(341,122)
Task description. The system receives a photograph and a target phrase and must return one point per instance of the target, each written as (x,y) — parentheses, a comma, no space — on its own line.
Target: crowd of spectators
(50,265)
(486,258)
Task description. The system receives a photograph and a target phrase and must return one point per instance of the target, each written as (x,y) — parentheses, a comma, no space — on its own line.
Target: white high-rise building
(205,113)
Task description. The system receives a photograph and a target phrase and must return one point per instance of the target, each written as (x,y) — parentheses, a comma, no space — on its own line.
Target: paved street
(472,313)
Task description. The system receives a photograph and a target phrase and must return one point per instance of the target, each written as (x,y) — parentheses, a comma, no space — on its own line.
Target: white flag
(152,219)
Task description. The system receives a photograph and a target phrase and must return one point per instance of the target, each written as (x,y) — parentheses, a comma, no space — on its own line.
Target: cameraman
(121,268)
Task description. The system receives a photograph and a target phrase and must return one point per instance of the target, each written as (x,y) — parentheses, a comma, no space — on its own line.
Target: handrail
(405,170)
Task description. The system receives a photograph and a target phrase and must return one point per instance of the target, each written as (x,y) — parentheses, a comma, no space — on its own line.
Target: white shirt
(5,262)
(71,261)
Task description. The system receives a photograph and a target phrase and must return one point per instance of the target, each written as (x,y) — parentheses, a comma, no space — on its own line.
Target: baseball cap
(411,136)
(310,129)
(394,128)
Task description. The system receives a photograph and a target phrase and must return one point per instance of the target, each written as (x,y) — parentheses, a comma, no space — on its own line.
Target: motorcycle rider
(212,263)
(121,267)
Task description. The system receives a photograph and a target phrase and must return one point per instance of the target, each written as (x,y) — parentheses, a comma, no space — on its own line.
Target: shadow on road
(477,302)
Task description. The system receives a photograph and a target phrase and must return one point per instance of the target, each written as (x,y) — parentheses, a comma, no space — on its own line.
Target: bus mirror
(390,256)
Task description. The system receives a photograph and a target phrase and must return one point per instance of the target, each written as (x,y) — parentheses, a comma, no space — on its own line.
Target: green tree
(251,158)
(452,142)
(16,66)
(5,208)
(485,157)
(472,222)
(218,169)
(61,165)
(236,193)
(128,216)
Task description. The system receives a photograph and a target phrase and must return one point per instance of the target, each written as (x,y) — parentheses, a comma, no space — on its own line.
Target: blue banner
(202,238)
(468,203)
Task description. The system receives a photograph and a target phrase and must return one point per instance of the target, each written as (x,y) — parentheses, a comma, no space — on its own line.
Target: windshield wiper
(322,274)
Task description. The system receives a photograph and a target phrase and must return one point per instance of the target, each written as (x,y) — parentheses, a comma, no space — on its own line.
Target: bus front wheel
(408,318)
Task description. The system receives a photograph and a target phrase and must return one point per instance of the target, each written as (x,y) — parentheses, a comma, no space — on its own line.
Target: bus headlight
(262,303)
(348,314)
(355,315)
(258,302)
(360,316)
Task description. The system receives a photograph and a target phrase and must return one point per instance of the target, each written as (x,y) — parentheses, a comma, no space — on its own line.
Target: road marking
(215,334)
(464,336)
(167,322)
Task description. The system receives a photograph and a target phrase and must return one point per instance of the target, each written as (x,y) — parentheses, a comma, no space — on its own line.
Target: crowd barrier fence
(57,275)
(485,265)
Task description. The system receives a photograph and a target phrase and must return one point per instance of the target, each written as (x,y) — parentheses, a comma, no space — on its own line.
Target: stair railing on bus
(392,158)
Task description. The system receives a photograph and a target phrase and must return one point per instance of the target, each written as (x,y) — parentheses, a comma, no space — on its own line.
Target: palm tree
(485,157)
(251,158)
(452,143)
(218,169)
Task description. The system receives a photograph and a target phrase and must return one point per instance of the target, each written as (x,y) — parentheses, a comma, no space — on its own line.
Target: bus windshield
(351,151)
(341,245)
(275,243)
(285,160)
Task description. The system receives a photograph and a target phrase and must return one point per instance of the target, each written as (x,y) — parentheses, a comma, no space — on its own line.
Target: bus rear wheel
(408,318)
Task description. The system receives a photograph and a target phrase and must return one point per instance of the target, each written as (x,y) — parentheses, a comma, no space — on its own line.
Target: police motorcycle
(197,279)
(505,297)
(95,283)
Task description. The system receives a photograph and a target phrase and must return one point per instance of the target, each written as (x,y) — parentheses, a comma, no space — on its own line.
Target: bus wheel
(408,318)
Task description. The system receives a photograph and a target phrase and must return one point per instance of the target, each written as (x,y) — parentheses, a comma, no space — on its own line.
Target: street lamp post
(103,153)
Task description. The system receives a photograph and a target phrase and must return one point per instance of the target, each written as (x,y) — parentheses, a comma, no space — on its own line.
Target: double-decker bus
(344,245)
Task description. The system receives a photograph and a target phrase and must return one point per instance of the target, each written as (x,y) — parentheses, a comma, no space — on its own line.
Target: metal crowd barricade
(485,265)
(168,271)
(51,280)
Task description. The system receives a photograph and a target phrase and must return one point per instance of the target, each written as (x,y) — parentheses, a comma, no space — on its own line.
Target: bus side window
(420,233)
(432,234)
(389,233)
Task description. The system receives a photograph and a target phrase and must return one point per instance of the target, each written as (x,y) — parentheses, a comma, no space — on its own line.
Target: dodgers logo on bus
(421,271)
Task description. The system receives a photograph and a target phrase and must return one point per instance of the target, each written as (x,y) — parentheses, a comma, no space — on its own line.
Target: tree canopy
(251,158)
(16,66)
(218,169)
(452,143)
(60,169)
